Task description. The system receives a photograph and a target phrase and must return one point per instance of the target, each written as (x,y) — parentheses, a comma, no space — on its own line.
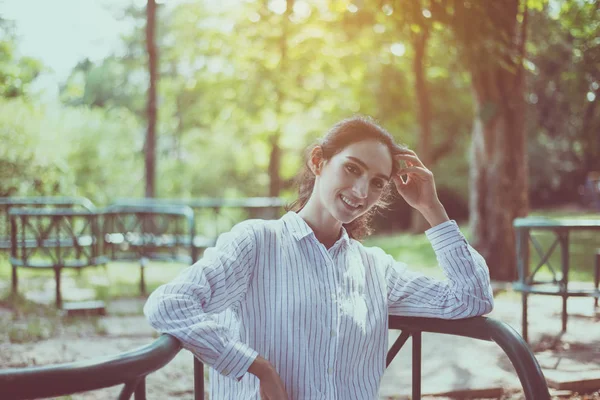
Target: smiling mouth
(351,204)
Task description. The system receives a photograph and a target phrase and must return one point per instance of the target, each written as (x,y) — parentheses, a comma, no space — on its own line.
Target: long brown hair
(342,134)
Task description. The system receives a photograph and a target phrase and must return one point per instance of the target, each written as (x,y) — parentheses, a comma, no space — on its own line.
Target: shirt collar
(300,229)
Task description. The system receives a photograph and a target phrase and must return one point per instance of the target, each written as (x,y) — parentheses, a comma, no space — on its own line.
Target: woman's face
(353,180)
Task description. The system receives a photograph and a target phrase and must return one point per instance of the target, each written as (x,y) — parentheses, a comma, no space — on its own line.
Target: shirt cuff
(235,360)
(445,236)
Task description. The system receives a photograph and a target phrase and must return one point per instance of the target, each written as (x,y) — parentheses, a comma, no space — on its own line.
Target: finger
(404,186)
(400,179)
(409,159)
(403,179)
(419,171)
(406,152)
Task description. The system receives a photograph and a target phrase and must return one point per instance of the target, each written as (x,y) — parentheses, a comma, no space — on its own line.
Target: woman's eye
(351,168)
(379,184)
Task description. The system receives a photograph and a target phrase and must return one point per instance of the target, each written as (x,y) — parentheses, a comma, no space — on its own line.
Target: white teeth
(350,203)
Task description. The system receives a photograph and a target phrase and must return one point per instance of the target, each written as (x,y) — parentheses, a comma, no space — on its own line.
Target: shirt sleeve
(465,293)
(186,307)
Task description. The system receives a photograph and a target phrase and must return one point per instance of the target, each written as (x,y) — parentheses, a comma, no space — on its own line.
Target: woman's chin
(345,216)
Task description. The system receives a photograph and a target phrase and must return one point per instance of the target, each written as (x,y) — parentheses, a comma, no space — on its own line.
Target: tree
(432,69)
(493,38)
(264,78)
(150,146)
(420,35)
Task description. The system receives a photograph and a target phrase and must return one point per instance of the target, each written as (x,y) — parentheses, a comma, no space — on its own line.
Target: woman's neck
(326,228)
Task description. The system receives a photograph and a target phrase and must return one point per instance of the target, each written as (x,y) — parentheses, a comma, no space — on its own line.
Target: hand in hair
(418,190)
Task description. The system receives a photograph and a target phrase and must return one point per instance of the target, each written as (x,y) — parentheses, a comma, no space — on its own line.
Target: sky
(60,33)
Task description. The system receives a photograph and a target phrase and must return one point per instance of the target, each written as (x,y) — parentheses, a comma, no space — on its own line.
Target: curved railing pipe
(129,368)
(484,328)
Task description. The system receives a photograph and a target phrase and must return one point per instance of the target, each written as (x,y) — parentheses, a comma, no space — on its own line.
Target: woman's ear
(316,160)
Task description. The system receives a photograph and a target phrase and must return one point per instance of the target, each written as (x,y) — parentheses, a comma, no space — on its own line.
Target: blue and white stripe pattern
(320,316)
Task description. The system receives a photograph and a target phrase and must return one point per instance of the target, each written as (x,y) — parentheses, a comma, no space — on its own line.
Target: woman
(297,308)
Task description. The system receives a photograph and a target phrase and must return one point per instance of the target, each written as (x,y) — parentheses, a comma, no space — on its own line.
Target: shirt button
(330,371)
(333,333)
(225,372)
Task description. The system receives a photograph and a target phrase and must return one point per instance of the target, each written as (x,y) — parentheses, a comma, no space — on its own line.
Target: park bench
(214,216)
(131,368)
(6,203)
(53,239)
(558,285)
(140,230)
(149,232)
(46,238)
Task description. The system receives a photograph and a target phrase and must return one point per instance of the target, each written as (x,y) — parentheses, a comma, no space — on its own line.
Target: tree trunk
(150,145)
(498,192)
(419,42)
(274,164)
(275,156)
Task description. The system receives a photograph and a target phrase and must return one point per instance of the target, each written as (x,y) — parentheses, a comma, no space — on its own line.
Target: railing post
(416,360)
(396,347)
(143,263)
(128,389)
(523,272)
(198,380)
(564,253)
(140,390)
(57,280)
(524,316)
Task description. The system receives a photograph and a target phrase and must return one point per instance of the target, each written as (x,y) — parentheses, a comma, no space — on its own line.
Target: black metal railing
(483,328)
(129,369)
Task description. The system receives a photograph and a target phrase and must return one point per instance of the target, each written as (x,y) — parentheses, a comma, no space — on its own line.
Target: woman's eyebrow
(362,164)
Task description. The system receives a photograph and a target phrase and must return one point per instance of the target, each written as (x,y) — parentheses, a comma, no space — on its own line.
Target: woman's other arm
(185,306)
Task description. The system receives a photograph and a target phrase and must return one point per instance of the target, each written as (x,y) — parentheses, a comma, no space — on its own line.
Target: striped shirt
(320,316)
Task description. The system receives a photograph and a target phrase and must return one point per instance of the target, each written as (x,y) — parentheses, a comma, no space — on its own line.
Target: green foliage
(236,80)
(16,73)
(106,85)
(563,91)
(30,163)
(50,150)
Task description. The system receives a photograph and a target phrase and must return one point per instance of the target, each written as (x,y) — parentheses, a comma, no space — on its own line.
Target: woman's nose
(360,188)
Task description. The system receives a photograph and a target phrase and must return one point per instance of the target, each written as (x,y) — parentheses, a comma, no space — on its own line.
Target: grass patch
(115,280)
(32,330)
(416,251)
(24,321)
